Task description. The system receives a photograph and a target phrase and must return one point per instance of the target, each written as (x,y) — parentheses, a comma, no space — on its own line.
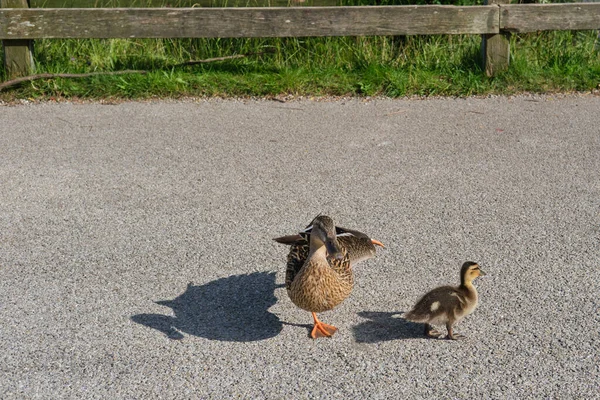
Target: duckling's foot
(432,332)
(322,330)
(452,335)
(455,336)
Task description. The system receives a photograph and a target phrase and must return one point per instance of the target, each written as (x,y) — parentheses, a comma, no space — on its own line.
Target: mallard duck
(448,304)
(319,267)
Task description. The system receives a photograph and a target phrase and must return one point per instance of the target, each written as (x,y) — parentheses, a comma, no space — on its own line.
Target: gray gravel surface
(136,259)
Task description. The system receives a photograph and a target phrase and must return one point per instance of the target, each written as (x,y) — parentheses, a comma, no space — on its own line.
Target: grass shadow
(232,67)
(232,309)
(384,326)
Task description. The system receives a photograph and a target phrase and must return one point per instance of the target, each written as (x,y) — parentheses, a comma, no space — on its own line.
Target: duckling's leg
(321,330)
(451,334)
(432,332)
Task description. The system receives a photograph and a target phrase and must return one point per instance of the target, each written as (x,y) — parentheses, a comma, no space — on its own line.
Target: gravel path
(136,259)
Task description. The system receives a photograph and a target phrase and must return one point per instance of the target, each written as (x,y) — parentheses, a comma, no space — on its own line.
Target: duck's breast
(317,287)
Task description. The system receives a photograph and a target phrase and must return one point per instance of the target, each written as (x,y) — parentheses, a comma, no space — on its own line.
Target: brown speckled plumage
(321,283)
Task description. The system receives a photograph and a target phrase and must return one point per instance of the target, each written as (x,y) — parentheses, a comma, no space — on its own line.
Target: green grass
(391,66)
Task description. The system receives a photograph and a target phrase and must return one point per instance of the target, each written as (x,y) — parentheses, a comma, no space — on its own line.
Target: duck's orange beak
(377,242)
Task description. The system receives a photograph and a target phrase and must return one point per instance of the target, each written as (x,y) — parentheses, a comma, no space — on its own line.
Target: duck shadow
(232,309)
(383,326)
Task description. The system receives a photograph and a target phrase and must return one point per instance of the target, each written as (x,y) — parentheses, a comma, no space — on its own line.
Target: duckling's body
(319,272)
(446,305)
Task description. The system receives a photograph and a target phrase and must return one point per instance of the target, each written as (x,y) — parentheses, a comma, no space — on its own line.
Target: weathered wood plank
(549,17)
(495,48)
(18,54)
(177,3)
(246,22)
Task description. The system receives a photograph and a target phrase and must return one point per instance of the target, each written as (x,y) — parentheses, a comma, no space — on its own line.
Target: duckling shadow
(232,309)
(383,326)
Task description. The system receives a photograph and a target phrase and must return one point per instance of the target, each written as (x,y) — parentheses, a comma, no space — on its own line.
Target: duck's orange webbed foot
(322,330)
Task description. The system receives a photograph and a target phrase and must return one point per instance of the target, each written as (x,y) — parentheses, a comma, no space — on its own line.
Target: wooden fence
(19,25)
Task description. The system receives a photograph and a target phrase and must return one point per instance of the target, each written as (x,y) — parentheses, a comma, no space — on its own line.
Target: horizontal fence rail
(520,18)
(246,22)
(82,23)
(176,3)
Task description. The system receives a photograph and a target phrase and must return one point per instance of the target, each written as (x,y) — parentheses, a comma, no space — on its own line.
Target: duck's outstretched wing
(295,260)
(299,248)
(291,240)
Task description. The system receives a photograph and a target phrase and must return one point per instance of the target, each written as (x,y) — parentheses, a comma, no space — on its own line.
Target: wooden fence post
(18,53)
(495,48)
(597,45)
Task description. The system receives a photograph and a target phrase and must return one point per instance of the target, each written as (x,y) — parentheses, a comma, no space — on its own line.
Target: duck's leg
(432,332)
(451,334)
(321,330)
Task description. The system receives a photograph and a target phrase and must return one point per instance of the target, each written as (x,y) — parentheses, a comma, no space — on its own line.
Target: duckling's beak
(481,272)
(333,249)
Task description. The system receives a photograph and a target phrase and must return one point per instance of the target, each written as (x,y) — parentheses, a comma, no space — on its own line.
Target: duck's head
(322,233)
(469,271)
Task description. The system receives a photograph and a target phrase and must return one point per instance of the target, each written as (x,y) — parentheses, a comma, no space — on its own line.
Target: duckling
(448,304)
(319,273)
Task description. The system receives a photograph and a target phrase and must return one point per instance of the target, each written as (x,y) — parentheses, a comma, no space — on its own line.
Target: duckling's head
(322,232)
(469,271)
